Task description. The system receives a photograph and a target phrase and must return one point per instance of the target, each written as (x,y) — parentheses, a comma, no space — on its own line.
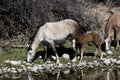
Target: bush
(21,18)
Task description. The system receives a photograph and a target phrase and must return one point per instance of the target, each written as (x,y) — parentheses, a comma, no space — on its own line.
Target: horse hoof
(109,52)
(117,48)
(44,60)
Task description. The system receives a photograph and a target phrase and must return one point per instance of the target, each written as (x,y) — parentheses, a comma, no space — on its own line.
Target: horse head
(30,54)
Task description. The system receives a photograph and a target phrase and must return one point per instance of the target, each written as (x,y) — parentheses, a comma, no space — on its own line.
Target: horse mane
(32,38)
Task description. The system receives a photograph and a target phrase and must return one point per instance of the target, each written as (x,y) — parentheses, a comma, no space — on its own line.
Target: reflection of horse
(83,39)
(112,27)
(50,32)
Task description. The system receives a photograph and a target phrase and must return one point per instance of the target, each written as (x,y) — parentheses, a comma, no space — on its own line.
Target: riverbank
(21,67)
(13,60)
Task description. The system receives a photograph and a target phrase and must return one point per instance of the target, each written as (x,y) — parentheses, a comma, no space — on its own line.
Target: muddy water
(112,73)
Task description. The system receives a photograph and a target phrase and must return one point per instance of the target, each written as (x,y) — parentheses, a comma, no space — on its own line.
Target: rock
(60,65)
(15,62)
(113,60)
(96,63)
(40,67)
(35,68)
(109,52)
(118,62)
(7,61)
(20,70)
(74,59)
(13,70)
(24,67)
(29,68)
(107,62)
(90,64)
(66,56)
(103,53)
(82,64)
(67,71)
(1,71)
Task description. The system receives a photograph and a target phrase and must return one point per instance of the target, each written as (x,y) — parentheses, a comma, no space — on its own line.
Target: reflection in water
(30,77)
(73,74)
(108,75)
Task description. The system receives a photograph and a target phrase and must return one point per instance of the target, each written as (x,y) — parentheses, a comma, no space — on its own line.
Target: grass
(13,54)
(20,54)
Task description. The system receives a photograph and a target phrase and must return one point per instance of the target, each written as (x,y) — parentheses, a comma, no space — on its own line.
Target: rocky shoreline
(17,67)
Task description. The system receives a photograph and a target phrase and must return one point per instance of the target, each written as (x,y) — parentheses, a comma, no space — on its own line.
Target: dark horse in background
(50,32)
(112,29)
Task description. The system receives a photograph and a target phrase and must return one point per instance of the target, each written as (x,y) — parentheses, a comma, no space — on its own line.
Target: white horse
(112,29)
(50,32)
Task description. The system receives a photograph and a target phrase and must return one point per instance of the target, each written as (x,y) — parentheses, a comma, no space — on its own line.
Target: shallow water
(112,73)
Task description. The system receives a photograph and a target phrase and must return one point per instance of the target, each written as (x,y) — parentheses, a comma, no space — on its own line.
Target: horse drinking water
(50,32)
(83,39)
(112,29)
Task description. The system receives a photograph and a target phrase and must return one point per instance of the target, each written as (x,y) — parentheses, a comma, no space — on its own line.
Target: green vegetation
(19,54)
(13,54)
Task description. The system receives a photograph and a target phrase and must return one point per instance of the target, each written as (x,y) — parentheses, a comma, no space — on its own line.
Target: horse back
(67,25)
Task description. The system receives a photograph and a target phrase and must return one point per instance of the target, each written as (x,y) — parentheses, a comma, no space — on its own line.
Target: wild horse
(82,40)
(50,32)
(112,29)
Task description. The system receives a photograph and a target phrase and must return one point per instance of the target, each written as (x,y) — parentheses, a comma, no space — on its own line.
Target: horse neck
(80,36)
(108,29)
(36,42)
(109,26)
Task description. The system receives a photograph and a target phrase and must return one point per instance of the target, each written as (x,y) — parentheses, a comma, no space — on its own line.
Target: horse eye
(30,53)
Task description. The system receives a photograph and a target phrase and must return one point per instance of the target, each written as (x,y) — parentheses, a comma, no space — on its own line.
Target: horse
(49,33)
(82,40)
(112,29)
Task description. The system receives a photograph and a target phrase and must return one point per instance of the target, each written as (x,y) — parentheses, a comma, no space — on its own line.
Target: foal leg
(101,54)
(81,56)
(81,52)
(98,50)
(53,47)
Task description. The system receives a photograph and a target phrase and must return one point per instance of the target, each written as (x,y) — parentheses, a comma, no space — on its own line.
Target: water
(112,73)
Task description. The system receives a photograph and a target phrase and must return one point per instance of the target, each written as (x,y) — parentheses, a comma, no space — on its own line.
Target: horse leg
(107,43)
(96,53)
(81,53)
(98,48)
(45,48)
(117,47)
(101,54)
(117,39)
(53,47)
